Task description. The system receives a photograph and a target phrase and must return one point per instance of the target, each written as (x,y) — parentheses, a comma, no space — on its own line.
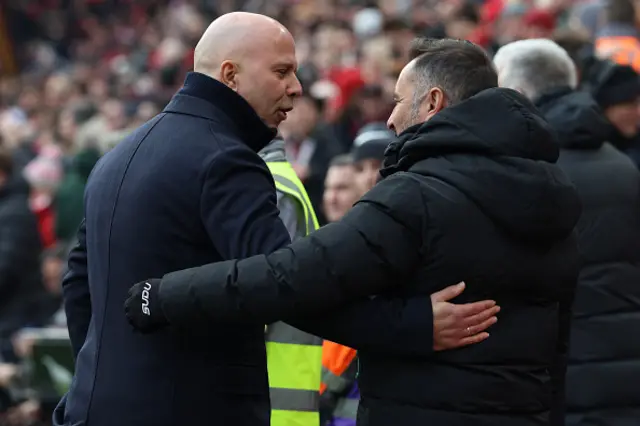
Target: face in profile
(267,79)
(413,105)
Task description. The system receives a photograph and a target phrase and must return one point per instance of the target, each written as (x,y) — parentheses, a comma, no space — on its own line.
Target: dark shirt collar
(253,131)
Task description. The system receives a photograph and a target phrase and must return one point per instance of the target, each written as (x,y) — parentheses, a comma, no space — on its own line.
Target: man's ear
(229,74)
(434,102)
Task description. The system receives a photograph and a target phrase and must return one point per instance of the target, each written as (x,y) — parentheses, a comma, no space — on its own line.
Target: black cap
(371,142)
(615,84)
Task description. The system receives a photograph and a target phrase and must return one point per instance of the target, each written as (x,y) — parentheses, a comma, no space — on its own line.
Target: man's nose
(295,88)
(390,125)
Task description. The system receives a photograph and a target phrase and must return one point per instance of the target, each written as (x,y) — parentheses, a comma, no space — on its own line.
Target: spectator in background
(340,188)
(368,154)
(616,88)
(587,17)
(20,249)
(44,174)
(604,363)
(618,38)
(509,25)
(464,22)
(69,199)
(309,147)
(17,135)
(579,47)
(367,105)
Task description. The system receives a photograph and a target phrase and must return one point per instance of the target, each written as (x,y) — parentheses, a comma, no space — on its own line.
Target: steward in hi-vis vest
(294,358)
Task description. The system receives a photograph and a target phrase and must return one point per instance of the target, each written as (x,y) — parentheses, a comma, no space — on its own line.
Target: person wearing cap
(368,153)
(616,89)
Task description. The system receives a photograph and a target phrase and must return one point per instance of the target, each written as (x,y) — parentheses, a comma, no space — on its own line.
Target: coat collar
(203,96)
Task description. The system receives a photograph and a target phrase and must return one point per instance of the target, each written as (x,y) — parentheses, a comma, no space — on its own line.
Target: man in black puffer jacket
(604,361)
(470,192)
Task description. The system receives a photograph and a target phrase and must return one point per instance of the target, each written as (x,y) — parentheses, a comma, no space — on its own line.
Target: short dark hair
(6,161)
(342,160)
(460,68)
(467,12)
(620,12)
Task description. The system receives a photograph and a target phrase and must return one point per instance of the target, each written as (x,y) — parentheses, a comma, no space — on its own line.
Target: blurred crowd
(77,75)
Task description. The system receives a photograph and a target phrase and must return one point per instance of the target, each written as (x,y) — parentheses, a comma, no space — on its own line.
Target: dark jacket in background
(604,362)
(185,189)
(21,285)
(470,195)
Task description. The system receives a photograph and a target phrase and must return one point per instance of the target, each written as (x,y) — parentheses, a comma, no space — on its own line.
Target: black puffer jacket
(604,363)
(470,195)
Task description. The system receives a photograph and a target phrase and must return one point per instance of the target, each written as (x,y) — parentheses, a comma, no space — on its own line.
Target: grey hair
(535,67)
(423,83)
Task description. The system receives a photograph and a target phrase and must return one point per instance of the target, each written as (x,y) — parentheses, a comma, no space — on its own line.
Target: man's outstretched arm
(375,247)
(452,325)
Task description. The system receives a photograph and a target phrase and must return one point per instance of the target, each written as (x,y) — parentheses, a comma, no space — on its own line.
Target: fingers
(458,342)
(452,324)
(475,329)
(477,319)
(471,340)
(470,309)
(448,293)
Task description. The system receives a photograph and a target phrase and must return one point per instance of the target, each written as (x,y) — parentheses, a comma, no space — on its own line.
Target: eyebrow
(287,65)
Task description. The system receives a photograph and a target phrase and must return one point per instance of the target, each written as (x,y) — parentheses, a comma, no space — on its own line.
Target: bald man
(185,189)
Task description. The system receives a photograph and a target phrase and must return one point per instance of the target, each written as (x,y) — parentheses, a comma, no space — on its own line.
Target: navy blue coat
(185,189)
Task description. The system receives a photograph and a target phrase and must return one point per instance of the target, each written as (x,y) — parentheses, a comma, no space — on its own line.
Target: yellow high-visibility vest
(294,358)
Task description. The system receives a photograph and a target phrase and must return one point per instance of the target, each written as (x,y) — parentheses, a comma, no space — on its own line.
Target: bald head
(255,56)
(234,37)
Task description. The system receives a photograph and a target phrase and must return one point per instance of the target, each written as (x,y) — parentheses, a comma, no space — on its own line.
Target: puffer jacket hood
(500,153)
